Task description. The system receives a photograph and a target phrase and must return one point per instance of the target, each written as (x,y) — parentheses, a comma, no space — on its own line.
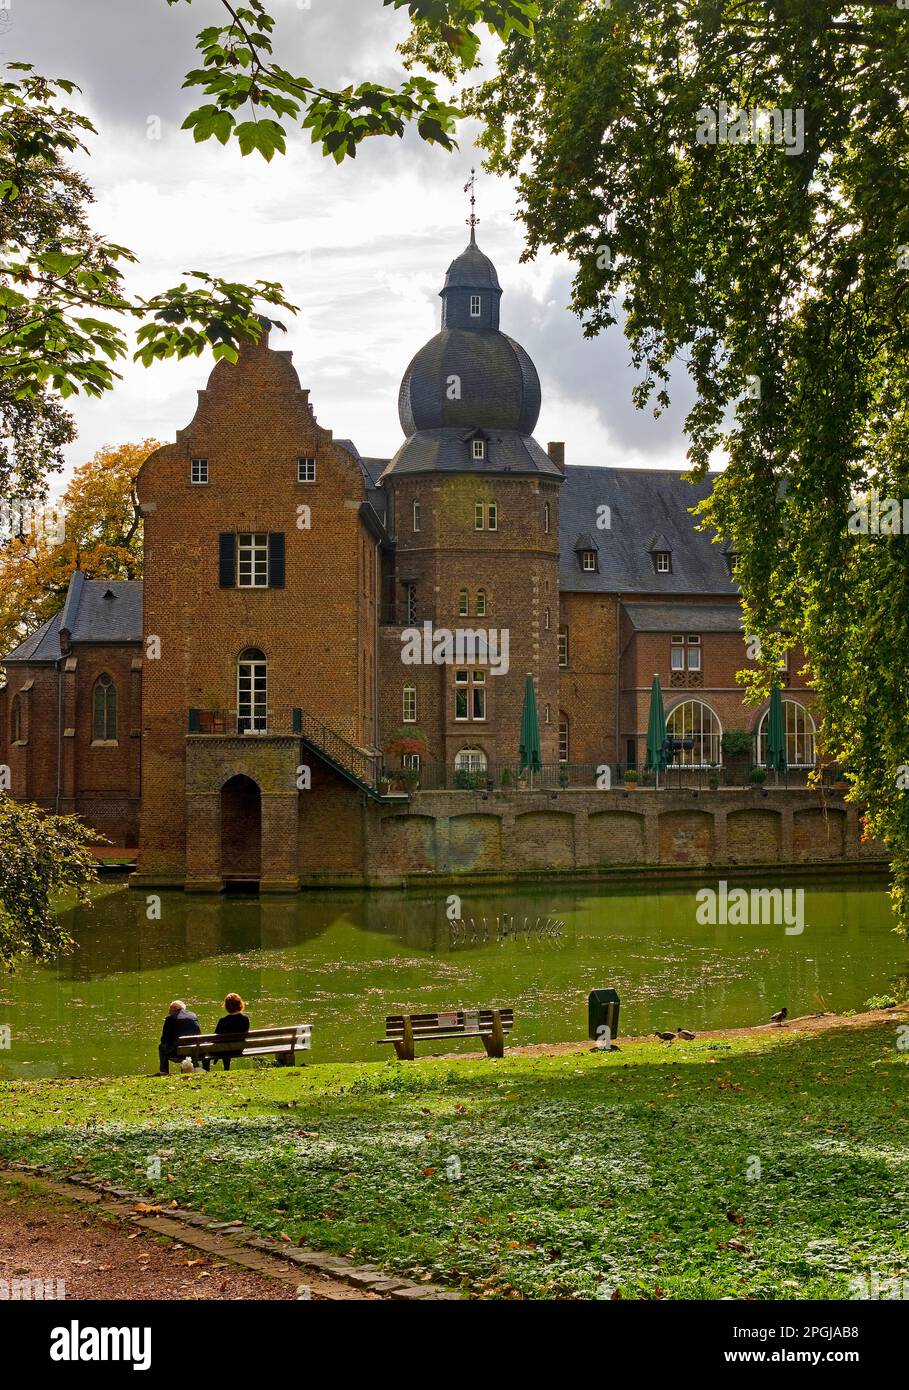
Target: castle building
(304,606)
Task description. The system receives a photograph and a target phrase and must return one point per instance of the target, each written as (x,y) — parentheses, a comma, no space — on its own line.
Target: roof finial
(472,221)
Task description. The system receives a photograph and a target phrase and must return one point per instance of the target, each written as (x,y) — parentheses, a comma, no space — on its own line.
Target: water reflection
(343,960)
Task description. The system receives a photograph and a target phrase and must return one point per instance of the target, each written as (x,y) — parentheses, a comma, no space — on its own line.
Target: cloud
(361,247)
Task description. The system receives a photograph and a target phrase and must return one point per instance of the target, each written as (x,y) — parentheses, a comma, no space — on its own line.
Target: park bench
(258,1042)
(404,1030)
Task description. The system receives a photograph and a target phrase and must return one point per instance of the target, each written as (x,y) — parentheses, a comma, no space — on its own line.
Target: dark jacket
(180,1025)
(233,1023)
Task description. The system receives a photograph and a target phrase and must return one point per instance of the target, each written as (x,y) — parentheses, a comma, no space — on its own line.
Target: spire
(472,221)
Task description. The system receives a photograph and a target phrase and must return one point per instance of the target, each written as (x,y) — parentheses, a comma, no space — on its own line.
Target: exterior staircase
(359,767)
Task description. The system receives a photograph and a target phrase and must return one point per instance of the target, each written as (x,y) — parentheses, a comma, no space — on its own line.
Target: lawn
(774,1166)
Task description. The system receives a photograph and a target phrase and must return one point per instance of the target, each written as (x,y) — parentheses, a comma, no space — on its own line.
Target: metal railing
(436,776)
(356,763)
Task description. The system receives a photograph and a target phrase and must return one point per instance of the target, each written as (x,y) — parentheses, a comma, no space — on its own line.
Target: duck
(664,1037)
(780,1017)
(684,1033)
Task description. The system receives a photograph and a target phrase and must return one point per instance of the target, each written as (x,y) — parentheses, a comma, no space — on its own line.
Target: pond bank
(773,1165)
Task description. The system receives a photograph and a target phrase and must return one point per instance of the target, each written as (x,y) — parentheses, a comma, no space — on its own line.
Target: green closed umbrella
(656,731)
(530,732)
(776,734)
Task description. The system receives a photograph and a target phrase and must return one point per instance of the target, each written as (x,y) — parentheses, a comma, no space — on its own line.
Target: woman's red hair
(234,1004)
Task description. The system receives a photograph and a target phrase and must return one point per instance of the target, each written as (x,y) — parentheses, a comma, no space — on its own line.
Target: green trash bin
(602,1013)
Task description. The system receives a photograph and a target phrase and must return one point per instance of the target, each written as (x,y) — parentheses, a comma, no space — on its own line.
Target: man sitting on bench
(180,1023)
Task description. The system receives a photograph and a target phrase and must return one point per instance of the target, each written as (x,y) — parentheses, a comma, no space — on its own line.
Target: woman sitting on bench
(234,1024)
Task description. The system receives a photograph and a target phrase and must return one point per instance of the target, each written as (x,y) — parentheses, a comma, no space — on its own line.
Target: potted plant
(738,746)
(713,777)
(408,741)
(757,776)
(406,779)
(564,775)
(630,778)
(212,717)
(506,778)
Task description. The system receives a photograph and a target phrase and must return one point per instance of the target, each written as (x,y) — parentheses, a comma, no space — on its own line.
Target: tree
(770,252)
(239,71)
(62,294)
(41,856)
(96,527)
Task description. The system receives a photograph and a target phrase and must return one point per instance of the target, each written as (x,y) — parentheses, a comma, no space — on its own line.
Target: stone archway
(241,830)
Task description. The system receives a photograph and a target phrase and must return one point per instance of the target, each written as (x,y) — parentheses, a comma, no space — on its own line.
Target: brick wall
(516,566)
(252,423)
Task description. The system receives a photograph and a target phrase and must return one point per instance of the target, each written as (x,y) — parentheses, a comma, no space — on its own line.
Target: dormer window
(663,561)
(588,560)
(479,448)
(732,561)
(475,306)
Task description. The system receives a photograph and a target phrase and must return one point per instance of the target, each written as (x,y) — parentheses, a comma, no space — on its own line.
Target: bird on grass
(684,1033)
(664,1037)
(780,1017)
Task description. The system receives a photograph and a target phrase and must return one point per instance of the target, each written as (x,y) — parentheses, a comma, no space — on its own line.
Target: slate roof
(95,610)
(643,502)
(498,384)
(448,451)
(471,270)
(671,617)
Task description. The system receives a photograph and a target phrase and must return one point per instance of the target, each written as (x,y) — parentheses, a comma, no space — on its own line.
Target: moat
(342,960)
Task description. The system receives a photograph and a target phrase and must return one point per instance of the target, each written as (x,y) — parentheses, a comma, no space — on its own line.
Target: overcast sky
(362,247)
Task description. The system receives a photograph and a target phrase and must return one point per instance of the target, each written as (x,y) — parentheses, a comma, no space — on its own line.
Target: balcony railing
(435,776)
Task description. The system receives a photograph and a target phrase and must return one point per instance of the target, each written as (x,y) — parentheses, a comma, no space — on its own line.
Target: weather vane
(470,187)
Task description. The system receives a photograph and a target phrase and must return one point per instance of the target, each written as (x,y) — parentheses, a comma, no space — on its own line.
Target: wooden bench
(258,1042)
(404,1030)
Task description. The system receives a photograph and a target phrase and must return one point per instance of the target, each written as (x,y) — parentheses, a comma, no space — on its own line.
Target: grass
(774,1166)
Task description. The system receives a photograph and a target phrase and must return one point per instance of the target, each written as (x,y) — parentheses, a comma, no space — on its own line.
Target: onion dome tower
(474,512)
(470,399)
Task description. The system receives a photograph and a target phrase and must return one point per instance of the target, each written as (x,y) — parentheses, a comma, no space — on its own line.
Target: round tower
(474,510)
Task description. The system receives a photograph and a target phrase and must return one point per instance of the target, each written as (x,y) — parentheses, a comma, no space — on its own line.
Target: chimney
(557,453)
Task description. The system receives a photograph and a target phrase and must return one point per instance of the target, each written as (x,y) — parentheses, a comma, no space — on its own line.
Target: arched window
(104,706)
(470,760)
(564,731)
(696,721)
(15,722)
(799,736)
(252,692)
(463,603)
(481,603)
(409,705)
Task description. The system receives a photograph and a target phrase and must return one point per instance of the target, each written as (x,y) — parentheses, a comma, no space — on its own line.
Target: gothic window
(104,707)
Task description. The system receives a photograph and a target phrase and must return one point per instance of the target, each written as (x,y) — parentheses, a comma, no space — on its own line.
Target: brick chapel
(230,715)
